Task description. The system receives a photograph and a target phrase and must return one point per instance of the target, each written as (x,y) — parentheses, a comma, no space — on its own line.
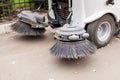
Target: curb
(5,27)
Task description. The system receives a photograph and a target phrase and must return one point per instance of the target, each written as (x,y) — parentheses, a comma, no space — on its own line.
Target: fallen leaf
(94,70)
(13,62)
(118,36)
(76,72)
(108,45)
(51,79)
(118,39)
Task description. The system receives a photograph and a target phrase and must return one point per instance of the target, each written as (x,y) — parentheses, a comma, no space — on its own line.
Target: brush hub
(70,33)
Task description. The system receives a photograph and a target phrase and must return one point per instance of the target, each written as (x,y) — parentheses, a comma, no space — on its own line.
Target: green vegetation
(7,7)
(23,3)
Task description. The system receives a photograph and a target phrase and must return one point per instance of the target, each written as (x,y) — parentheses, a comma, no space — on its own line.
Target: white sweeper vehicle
(80,26)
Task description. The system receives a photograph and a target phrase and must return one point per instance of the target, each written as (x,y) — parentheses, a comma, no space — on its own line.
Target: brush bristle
(26,29)
(73,50)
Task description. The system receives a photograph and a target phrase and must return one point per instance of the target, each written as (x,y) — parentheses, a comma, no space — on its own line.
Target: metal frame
(8,8)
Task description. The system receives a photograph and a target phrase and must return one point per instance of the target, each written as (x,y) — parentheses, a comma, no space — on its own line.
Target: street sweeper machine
(80,26)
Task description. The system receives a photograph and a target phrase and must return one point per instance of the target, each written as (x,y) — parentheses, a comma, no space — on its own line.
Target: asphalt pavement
(29,58)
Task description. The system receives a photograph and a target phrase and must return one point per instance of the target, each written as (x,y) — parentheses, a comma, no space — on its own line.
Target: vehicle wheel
(101,31)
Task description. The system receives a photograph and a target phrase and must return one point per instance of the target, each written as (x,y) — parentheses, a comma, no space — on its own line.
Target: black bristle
(73,50)
(26,29)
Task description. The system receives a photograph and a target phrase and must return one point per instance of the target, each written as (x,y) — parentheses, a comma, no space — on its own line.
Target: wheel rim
(104,31)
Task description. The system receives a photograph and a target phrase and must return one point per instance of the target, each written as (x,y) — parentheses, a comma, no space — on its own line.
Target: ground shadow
(75,63)
(29,38)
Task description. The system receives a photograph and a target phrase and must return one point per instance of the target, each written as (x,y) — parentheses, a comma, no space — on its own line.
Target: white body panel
(86,11)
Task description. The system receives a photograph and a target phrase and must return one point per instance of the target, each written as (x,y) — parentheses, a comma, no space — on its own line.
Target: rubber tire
(93,27)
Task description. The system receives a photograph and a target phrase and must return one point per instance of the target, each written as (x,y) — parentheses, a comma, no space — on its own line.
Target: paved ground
(28,58)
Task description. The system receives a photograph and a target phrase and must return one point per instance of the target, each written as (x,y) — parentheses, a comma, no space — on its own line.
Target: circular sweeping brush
(26,29)
(73,50)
